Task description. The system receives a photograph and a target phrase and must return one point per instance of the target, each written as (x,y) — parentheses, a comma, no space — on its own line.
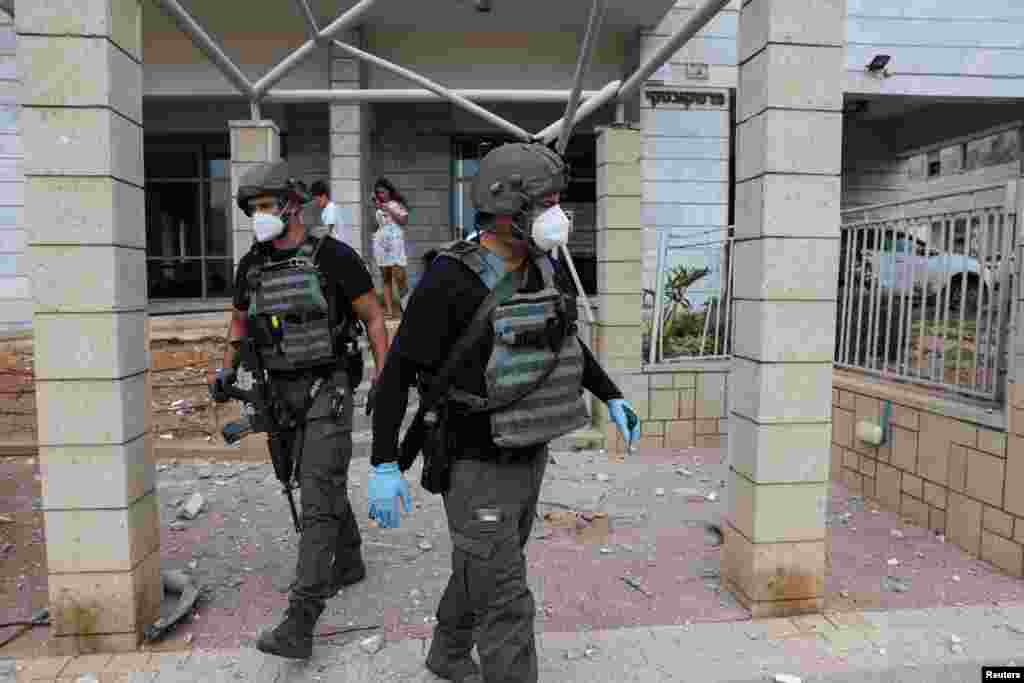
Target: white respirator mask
(551,228)
(267,226)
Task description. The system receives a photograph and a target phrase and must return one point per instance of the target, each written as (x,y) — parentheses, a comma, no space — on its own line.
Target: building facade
(945,114)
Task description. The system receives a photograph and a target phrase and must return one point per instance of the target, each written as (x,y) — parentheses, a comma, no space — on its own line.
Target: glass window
(217,196)
(172,220)
(219,273)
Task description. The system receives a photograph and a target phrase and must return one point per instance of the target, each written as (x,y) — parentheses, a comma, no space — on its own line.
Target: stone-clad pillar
(789,135)
(84,208)
(618,333)
(350,154)
(252,142)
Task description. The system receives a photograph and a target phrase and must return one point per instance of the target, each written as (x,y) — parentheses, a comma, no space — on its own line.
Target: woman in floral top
(389,241)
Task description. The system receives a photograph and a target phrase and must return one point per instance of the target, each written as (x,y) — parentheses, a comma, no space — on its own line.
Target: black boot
(451,662)
(348,575)
(293,637)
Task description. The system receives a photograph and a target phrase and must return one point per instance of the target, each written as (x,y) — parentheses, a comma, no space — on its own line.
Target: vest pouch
(306,343)
(526,330)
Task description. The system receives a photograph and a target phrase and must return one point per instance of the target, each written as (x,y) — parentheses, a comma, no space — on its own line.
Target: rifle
(259,416)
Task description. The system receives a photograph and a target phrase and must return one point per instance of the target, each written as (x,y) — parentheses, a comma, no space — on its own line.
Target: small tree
(680,279)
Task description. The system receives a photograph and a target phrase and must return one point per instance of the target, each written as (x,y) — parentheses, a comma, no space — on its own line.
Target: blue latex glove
(383,491)
(625,418)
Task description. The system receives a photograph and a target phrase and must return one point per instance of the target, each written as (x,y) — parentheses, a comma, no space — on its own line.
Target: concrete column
(351,183)
(252,142)
(84,209)
(618,333)
(789,135)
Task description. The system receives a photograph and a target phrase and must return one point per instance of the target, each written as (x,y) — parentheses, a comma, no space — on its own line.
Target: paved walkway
(935,645)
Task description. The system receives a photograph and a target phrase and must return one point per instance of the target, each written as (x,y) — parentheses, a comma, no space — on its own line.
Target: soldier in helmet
(297,301)
(517,387)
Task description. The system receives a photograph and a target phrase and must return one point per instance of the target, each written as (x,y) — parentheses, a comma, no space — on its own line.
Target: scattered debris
(956,578)
(893,562)
(844,594)
(787,678)
(1019,630)
(193,564)
(712,496)
(659,492)
(6,519)
(602,477)
(683,472)
(956,644)
(87,678)
(425,545)
(605,550)
(896,584)
(896,533)
(372,645)
(710,573)
(192,508)
(636,585)
(168,436)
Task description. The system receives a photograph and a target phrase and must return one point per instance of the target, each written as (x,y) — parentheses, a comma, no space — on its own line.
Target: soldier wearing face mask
(296,299)
(490,340)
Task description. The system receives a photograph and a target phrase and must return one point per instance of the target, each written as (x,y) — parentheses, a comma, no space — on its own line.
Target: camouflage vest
(529,330)
(291,315)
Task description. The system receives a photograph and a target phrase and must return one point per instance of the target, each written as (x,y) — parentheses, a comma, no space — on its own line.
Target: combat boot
(348,576)
(293,637)
(450,663)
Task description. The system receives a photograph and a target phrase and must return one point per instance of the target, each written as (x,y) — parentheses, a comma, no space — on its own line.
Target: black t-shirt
(344,269)
(440,308)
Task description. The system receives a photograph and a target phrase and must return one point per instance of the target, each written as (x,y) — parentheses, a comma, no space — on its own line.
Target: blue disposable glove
(625,418)
(383,491)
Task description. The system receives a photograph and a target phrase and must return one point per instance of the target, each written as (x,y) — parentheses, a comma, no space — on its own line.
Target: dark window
(188,200)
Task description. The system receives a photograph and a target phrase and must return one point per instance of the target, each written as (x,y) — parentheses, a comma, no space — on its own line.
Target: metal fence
(925,290)
(691,305)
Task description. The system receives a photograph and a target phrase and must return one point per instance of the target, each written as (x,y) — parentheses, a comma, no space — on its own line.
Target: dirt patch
(180,404)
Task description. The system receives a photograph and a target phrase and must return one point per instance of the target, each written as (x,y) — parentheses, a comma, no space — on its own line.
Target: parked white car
(901,269)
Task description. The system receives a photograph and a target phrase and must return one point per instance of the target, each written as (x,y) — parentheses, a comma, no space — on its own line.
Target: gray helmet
(272,178)
(514,176)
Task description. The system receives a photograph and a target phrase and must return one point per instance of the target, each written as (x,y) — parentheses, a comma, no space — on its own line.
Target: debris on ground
(425,545)
(602,477)
(659,492)
(192,508)
(372,645)
(787,678)
(896,584)
(636,585)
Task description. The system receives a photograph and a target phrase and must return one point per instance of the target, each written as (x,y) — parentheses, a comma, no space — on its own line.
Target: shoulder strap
(505,288)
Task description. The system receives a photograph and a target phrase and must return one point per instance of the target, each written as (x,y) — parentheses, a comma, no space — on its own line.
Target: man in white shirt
(329,212)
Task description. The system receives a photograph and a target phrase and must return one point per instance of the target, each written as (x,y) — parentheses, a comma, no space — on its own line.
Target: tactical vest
(530,330)
(292,314)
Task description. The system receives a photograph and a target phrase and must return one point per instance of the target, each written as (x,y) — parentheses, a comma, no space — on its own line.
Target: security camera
(482,5)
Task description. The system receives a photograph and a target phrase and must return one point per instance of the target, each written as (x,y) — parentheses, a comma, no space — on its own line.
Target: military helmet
(272,178)
(515,175)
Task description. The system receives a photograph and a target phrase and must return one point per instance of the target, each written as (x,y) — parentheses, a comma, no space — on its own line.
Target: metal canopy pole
(592,104)
(421,95)
(294,59)
(698,20)
(586,51)
(694,23)
(208,46)
(314,30)
(439,89)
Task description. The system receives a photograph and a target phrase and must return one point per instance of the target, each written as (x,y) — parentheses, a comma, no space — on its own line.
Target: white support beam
(420,95)
(314,30)
(444,92)
(187,23)
(286,65)
(586,51)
